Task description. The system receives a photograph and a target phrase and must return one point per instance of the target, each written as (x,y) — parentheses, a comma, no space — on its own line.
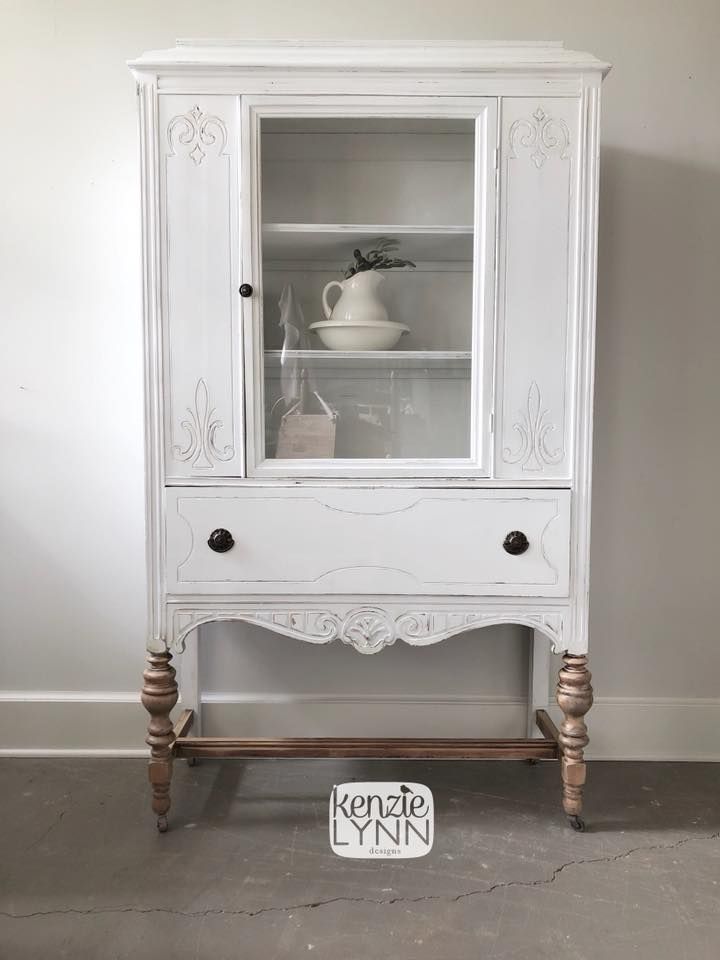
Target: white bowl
(359,334)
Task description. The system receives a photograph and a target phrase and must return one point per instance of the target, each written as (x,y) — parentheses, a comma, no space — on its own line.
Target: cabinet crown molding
(317,54)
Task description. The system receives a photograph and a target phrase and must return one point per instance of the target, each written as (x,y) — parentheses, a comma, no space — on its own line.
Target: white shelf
(336,241)
(378,359)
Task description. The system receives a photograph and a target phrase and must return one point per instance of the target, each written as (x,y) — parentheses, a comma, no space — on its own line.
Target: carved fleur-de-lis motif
(534,453)
(201,428)
(196,130)
(543,135)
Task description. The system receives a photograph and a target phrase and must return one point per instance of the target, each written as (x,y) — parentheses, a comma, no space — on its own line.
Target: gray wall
(72,506)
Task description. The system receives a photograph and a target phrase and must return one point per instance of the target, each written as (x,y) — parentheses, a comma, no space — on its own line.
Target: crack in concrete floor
(455,898)
(46,833)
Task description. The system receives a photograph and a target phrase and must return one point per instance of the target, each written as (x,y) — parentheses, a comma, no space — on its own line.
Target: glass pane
(367,250)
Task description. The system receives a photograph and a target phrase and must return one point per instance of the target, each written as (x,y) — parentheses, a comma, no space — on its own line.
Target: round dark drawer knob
(221,541)
(246,290)
(515,542)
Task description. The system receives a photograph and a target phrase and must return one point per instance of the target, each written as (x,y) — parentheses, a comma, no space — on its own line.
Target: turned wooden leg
(574,697)
(159,696)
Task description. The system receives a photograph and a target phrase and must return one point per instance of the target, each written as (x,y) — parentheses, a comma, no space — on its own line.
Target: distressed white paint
(199,267)
(309,540)
(377,544)
(537,278)
(228,56)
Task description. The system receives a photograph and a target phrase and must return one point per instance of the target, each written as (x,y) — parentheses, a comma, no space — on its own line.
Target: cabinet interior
(330,185)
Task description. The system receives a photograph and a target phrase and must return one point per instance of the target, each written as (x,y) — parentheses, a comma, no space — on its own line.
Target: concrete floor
(246,871)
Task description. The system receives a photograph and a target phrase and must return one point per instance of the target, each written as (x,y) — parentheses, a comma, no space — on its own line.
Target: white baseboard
(40,723)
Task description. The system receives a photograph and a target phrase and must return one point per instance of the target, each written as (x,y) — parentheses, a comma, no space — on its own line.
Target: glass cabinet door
(372,258)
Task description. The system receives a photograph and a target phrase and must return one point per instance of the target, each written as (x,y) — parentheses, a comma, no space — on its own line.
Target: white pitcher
(358,298)
(359,320)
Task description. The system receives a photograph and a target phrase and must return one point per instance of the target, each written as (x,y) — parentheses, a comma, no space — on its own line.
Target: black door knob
(246,290)
(221,540)
(515,542)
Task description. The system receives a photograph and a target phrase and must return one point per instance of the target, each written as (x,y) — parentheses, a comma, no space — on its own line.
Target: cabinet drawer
(315,540)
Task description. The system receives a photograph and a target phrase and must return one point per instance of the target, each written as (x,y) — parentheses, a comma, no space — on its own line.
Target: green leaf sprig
(380,257)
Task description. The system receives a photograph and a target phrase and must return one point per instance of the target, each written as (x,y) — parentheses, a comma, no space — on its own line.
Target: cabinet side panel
(199,146)
(536,287)
(154,466)
(580,543)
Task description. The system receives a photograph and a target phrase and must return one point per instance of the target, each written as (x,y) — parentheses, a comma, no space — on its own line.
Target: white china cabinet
(307,475)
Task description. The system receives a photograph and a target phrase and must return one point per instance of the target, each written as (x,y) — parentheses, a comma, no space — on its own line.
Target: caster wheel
(577,823)
(192,761)
(162,824)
